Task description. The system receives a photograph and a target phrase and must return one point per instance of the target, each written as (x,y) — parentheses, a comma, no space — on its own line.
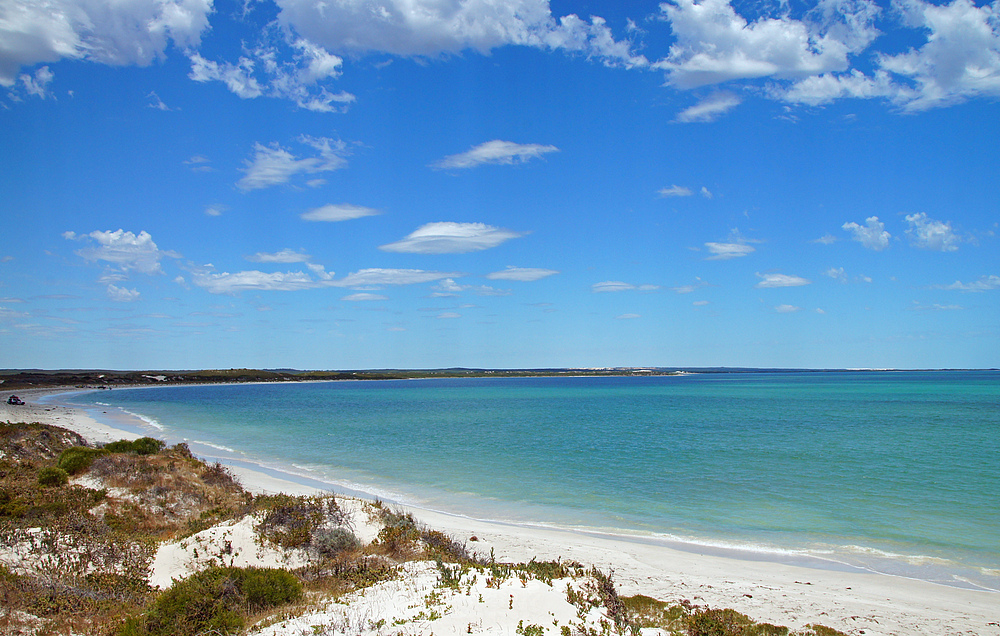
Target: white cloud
(675,191)
(787,309)
(619,286)
(525,274)
(715,44)
(836,273)
(929,234)
(449,288)
(935,307)
(961,57)
(872,235)
(273,165)
(37,84)
(226,283)
(284,256)
(705,192)
(710,108)
(451,238)
(376,277)
(494,152)
(726,251)
(449,315)
(780,280)
(115,33)
(122,295)
(215,210)
(338,212)
(123,249)
(364,297)
(823,89)
(826,239)
(985,283)
(432,27)
(701,303)
(156,103)
(296,71)
(628,317)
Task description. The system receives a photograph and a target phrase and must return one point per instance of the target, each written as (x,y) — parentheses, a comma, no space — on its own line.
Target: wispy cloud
(780,280)
(494,152)
(787,309)
(628,317)
(726,251)
(273,165)
(122,295)
(710,108)
(377,278)
(284,256)
(985,283)
(524,274)
(451,238)
(338,212)
(364,297)
(675,191)
(619,286)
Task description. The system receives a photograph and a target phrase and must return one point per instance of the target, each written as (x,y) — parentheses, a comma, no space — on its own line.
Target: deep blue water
(892,471)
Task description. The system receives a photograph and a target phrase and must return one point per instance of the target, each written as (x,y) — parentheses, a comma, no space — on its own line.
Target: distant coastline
(11,379)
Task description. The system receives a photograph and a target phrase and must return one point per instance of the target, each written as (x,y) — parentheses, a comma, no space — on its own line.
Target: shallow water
(894,471)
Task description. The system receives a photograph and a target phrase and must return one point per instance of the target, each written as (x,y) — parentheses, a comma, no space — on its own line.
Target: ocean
(894,472)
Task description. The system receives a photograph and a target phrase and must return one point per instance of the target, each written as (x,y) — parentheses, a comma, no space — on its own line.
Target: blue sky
(436,183)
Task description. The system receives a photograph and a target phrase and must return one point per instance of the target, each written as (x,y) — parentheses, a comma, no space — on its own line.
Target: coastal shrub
(290,521)
(399,534)
(215,600)
(53,476)
(329,542)
(77,459)
(141,446)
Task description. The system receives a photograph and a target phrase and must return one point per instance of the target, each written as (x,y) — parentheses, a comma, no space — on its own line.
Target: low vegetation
(79,526)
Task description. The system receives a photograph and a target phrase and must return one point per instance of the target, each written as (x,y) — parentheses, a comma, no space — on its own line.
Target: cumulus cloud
(273,165)
(37,85)
(710,108)
(431,27)
(985,283)
(524,274)
(125,250)
(494,152)
(338,212)
(705,192)
(675,191)
(826,239)
(284,256)
(116,33)
(726,251)
(780,280)
(451,238)
(928,234)
(961,55)
(715,44)
(122,295)
(872,235)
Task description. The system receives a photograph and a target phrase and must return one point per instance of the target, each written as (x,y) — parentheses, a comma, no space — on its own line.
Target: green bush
(216,599)
(141,446)
(77,459)
(329,542)
(52,476)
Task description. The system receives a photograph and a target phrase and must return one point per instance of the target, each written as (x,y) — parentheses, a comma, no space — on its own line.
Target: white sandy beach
(794,596)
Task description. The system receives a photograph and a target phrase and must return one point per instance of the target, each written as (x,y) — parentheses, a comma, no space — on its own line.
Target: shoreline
(854,601)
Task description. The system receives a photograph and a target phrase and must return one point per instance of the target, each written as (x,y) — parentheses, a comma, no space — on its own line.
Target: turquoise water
(891,471)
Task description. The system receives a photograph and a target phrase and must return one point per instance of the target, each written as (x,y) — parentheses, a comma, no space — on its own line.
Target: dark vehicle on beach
(16,401)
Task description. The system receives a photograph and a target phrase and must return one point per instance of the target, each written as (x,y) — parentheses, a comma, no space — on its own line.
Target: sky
(365,184)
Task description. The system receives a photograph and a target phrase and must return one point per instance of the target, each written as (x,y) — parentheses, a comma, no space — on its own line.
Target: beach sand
(855,602)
